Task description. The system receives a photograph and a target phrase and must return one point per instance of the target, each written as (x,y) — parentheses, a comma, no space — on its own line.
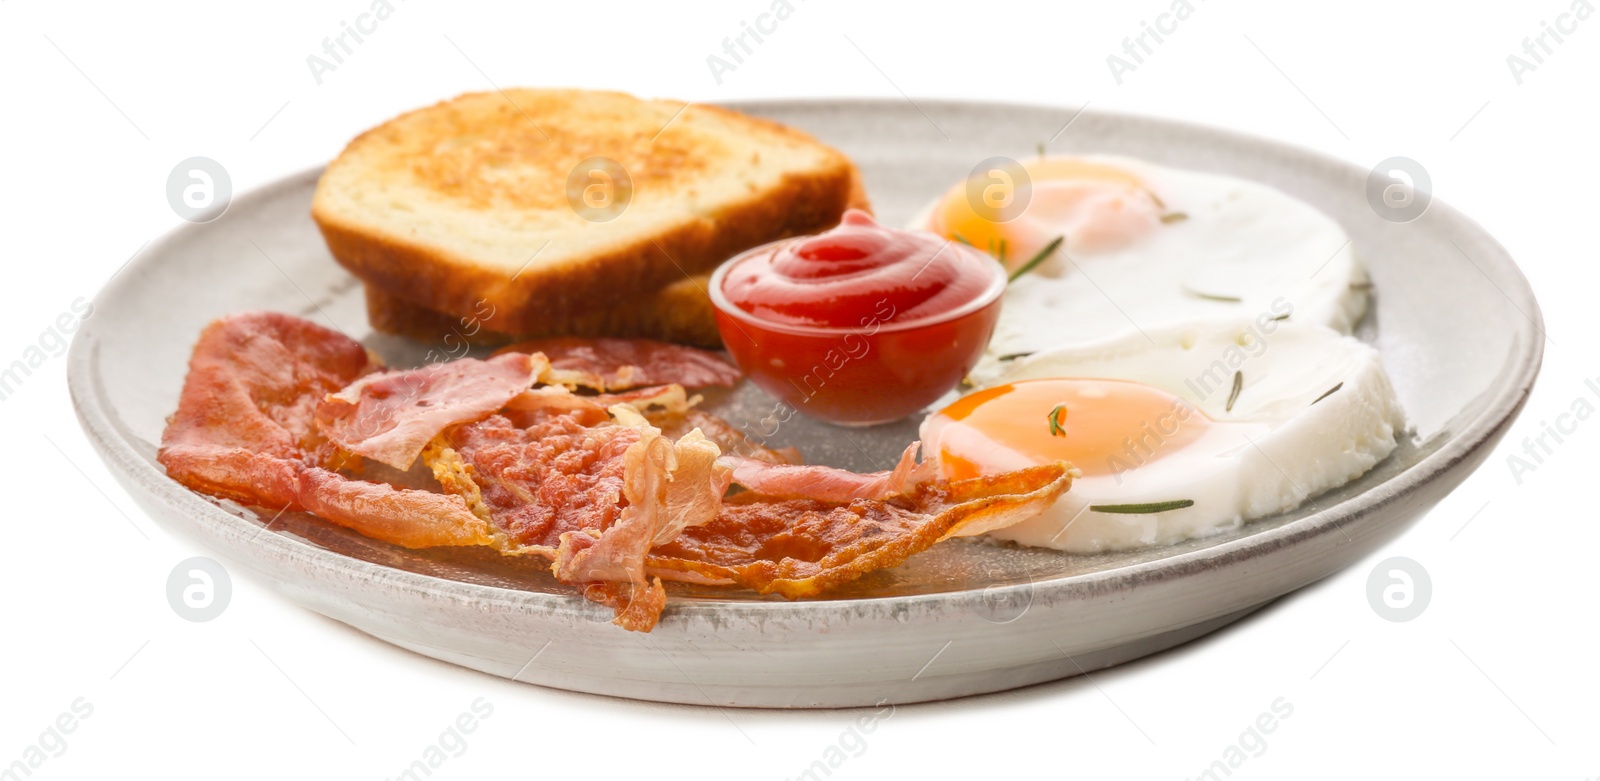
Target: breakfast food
(1142,246)
(246,430)
(1194,430)
(628,363)
(679,312)
(282,414)
(551,207)
(1123,355)
(861,324)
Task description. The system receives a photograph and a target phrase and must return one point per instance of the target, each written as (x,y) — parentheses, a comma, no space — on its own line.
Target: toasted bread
(477,201)
(680,312)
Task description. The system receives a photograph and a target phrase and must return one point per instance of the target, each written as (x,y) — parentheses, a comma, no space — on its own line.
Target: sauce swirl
(859,325)
(858,273)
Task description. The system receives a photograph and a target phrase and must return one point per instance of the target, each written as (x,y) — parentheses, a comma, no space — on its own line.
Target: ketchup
(861,324)
(857,273)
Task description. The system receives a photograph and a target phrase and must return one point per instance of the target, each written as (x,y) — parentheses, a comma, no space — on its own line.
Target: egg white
(1240,249)
(1285,440)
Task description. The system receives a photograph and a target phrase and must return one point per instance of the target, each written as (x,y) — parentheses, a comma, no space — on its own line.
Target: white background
(1497,678)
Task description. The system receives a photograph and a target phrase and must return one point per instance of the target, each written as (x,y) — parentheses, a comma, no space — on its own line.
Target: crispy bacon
(273,406)
(827,484)
(553,484)
(638,606)
(409,518)
(732,441)
(244,419)
(802,547)
(613,364)
(656,402)
(540,482)
(391,416)
(616,553)
(593,499)
(539,404)
(244,431)
(698,484)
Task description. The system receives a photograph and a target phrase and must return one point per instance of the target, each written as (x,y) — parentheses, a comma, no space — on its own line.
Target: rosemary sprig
(961,238)
(1233,395)
(1329,392)
(1057,413)
(1014,356)
(1172,217)
(1142,509)
(1284,316)
(1048,250)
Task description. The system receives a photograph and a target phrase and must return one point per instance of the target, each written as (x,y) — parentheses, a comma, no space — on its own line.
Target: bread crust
(680,312)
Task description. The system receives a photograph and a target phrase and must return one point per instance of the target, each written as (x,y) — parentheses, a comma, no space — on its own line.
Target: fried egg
(1143,246)
(1180,431)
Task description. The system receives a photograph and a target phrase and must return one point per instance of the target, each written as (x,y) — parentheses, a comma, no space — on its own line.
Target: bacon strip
(618,364)
(536,483)
(593,499)
(616,553)
(390,417)
(244,431)
(802,547)
(588,482)
(408,518)
(732,441)
(664,402)
(698,484)
(542,483)
(827,484)
(638,607)
(245,415)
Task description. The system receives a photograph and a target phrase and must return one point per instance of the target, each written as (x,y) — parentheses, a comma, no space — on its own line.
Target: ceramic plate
(1457,326)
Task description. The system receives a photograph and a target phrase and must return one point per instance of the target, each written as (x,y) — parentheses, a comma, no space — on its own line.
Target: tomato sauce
(861,324)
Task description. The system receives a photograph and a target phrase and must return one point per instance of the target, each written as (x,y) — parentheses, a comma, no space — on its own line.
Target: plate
(1455,321)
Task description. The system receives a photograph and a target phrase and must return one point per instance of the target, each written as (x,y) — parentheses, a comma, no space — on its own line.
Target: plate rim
(1507,396)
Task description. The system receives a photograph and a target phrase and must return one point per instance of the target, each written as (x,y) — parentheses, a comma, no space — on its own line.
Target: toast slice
(480,202)
(680,312)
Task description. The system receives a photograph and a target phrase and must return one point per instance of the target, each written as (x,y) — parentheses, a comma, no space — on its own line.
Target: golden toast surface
(500,198)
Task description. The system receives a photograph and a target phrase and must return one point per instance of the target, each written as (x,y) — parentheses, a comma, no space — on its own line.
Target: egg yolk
(1100,426)
(1097,207)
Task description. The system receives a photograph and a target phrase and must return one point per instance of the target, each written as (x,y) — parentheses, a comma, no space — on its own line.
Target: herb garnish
(1014,356)
(1233,395)
(1329,392)
(1210,296)
(1048,250)
(1142,509)
(1057,413)
(1172,217)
